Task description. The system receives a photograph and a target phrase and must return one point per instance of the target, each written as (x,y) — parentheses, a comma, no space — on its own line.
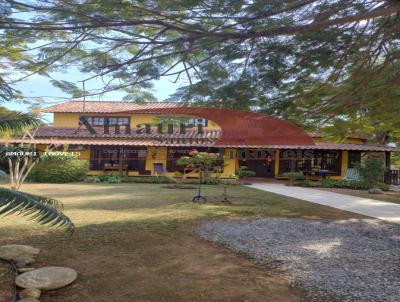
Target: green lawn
(134,242)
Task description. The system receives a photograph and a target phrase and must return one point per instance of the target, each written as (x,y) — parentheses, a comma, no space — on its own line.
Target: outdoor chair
(352,174)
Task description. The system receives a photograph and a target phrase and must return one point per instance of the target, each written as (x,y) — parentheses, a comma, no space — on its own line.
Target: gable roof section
(82,132)
(238,127)
(242,127)
(103,107)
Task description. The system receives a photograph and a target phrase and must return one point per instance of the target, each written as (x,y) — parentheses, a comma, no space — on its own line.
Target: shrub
(245,172)
(105,178)
(306,183)
(331,183)
(293,176)
(178,174)
(372,171)
(211,181)
(382,186)
(59,169)
(345,184)
(149,179)
(205,181)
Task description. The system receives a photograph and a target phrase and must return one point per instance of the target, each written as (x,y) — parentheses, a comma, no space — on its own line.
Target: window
(133,157)
(317,160)
(98,121)
(113,120)
(194,122)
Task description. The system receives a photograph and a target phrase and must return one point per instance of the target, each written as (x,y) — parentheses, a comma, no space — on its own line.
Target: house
(140,138)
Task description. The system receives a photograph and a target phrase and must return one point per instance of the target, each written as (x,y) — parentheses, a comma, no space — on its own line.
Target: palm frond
(15,121)
(41,209)
(54,203)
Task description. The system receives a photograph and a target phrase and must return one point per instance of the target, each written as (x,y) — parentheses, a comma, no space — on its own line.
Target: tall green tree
(295,59)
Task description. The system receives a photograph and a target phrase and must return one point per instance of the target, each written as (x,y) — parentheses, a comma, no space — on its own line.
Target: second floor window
(113,120)
(193,122)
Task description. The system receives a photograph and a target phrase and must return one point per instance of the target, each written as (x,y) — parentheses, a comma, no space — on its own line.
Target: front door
(259,161)
(262,168)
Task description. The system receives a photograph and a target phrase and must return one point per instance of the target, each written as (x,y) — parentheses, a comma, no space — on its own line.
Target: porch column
(277,163)
(345,163)
(230,162)
(387,160)
(155,155)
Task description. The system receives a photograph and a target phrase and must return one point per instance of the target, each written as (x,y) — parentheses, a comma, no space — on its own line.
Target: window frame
(118,120)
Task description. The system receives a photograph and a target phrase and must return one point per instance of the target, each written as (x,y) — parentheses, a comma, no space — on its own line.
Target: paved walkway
(365,206)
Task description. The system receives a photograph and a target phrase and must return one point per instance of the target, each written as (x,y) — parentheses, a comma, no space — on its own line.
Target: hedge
(59,169)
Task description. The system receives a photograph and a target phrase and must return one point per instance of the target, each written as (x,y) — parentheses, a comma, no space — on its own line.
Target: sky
(39,86)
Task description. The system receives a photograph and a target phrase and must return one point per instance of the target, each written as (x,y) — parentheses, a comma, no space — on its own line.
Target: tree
(305,60)
(372,171)
(21,159)
(202,162)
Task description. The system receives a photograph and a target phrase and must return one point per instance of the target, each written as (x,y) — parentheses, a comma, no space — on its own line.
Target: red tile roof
(148,141)
(58,132)
(104,107)
(238,127)
(102,141)
(242,127)
(324,146)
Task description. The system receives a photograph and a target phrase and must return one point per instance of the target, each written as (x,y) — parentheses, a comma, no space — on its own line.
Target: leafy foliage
(149,179)
(204,162)
(42,210)
(346,184)
(342,184)
(318,63)
(372,171)
(293,176)
(16,121)
(59,169)
(245,172)
(105,178)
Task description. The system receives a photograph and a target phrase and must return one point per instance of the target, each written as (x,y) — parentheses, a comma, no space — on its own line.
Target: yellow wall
(71,120)
(230,164)
(84,154)
(66,120)
(156,155)
(276,168)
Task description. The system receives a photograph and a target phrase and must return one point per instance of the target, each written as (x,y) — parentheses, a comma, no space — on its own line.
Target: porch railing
(392,177)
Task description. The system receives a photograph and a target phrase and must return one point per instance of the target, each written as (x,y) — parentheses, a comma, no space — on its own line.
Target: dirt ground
(159,266)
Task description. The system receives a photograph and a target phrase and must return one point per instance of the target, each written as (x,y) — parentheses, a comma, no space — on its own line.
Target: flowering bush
(203,161)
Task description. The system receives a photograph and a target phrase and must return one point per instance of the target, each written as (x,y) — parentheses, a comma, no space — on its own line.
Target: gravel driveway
(354,260)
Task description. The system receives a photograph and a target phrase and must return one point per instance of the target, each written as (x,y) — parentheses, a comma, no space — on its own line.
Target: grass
(134,242)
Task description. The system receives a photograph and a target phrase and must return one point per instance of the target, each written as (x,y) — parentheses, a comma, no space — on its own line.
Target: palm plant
(41,209)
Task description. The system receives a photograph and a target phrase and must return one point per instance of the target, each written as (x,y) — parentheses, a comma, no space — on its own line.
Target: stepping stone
(23,261)
(25,269)
(32,293)
(14,251)
(47,278)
